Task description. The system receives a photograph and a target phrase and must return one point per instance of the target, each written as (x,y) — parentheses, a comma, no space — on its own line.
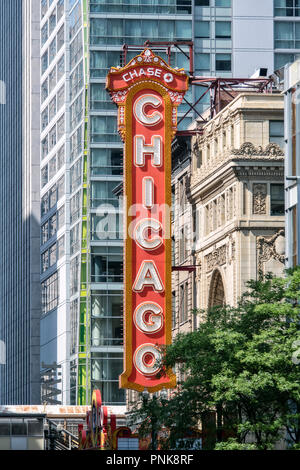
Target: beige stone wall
(233,167)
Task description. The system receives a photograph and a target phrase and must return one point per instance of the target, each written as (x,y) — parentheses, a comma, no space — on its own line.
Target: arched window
(217,291)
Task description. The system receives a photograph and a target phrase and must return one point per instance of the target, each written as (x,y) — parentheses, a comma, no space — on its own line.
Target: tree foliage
(241,367)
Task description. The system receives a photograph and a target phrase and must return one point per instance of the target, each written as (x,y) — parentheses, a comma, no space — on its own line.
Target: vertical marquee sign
(147,92)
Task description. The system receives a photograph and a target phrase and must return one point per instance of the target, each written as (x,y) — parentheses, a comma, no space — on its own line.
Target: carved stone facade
(237,194)
(260,198)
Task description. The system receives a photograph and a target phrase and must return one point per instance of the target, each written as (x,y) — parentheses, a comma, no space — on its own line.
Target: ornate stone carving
(230,247)
(216,258)
(249,150)
(259,198)
(246,149)
(273,150)
(270,247)
(198,267)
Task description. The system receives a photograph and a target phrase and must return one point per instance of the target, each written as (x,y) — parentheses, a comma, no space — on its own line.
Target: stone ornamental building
(237,194)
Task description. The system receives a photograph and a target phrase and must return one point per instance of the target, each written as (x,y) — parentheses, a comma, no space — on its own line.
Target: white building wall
(252,36)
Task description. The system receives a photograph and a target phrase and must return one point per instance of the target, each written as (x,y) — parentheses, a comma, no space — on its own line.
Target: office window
(45,233)
(198,159)
(276,131)
(44,118)
(60,158)
(223,62)
(104,129)
(223,3)
(203,63)
(61,217)
(107,268)
(52,50)
(75,207)
(60,9)
(287,35)
(52,225)
(44,8)
(74,275)
(60,127)
(202,3)
(106,161)
(76,80)
(100,98)
(52,196)
(106,367)
(45,204)
(223,29)
(173,309)
(183,302)
(101,61)
(52,255)
(183,193)
(277,199)
(60,68)
(60,38)
(50,293)
(60,97)
(107,304)
(74,239)
(286,7)
(52,79)
(52,22)
(44,176)
(202,29)
(44,90)
(44,33)
(44,62)
(60,188)
(106,226)
(52,108)
(102,192)
(183,252)
(282,59)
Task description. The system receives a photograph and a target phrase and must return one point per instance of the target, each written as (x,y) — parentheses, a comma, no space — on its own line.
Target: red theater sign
(147,92)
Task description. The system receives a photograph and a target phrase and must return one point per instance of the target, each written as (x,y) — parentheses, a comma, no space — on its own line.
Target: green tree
(240,366)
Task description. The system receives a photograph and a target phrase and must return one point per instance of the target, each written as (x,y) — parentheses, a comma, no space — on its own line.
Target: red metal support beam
(190,269)
(214,86)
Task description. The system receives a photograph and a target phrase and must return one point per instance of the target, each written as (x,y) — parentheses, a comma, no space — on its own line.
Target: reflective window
(50,293)
(44,34)
(202,29)
(277,132)
(102,193)
(286,7)
(145,6)
(115,31)
(223,62)
(100,99)
(223,3)
(223,29)
(287,35)
(277,199)
(104,129)
(106,161)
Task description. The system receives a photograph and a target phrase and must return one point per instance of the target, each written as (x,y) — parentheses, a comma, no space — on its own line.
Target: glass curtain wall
(132,22)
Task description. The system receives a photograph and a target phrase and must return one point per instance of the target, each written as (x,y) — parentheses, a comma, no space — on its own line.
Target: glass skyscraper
(20,202)
(81,166)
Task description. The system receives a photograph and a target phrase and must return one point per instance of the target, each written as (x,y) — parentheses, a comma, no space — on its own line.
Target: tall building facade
(292,169)
(237,191)
(81,167)
(20,203)
(237,37)
(81,156)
